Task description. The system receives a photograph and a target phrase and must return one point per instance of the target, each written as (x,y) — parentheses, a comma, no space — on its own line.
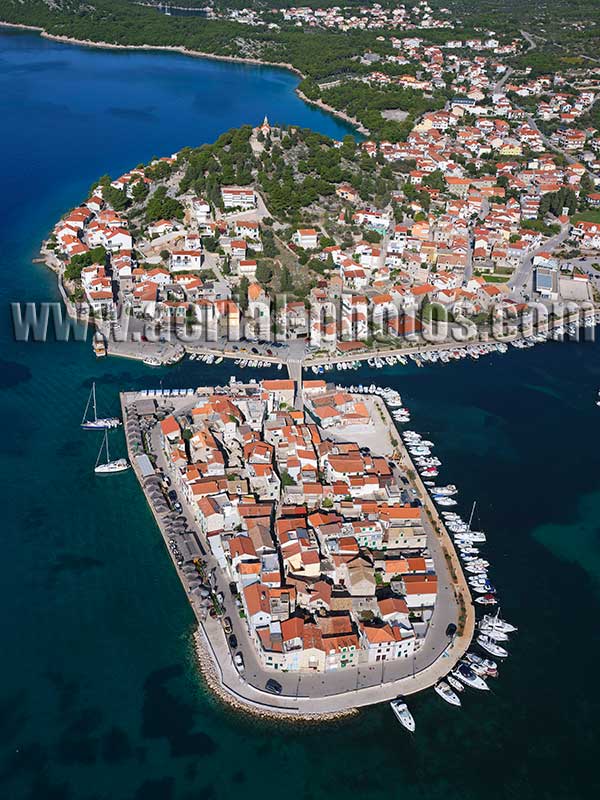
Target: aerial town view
(299,347)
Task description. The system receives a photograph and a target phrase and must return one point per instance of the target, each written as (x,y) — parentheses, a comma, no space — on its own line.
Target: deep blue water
(99,696)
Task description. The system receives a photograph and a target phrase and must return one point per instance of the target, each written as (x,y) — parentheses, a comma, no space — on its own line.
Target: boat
(454,683)
(469,537)
(481,585)
(491,647)
(493,633)
(402,713)
(97,423)
(490,666)
(446,693)
(486,600)
(444,491)
(151,361)
(99,345)
(465,674)
(444,501)
(108,467)
(498,623)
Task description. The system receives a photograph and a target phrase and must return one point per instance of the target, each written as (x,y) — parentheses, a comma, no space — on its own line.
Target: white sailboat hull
(119,465)
(101,424)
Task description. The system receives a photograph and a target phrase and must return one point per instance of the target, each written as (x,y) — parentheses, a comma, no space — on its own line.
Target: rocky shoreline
(208,672)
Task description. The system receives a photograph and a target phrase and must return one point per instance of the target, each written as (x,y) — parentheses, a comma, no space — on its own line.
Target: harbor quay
(318,587)
(281,352)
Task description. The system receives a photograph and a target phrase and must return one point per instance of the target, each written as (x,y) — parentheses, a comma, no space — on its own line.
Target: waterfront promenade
(316,694)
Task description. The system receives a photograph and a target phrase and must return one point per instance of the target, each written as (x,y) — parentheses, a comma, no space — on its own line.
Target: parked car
(172,495)
(227,625)
(239,661)
(233,588)
(233,642)
(273,686)
(177,507)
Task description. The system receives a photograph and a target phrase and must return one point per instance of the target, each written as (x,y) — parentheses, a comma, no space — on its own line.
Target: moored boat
(491,647)
(455,683)
(466,675)
(403,715)
(446,693)
(97,423)
(486,600)
(108,467)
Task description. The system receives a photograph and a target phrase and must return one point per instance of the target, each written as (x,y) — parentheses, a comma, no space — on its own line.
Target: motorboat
(446,693)
(466,675)
(475,568)
(471,536)
(493,633)
(446,491)
(455,683)
(486,600)
(487,663)
(498,623)
(482,587)
(491,647)
(444,501)
(403,715)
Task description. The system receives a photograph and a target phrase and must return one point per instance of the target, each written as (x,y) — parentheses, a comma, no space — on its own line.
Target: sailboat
(118,465)
(97,423)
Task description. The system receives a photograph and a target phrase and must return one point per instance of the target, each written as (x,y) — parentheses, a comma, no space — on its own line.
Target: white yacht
(445,491)
(454,683)
(471,536)
(97,423)
(490,666)
(402,713)
(493,633)
(152,361)
(498,623)
(486,600)
(466,675)
(108,467)
(446,693)
(444,501)
(491,647)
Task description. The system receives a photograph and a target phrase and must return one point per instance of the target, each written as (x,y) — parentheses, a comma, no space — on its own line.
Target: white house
(185,260)
(201,210)
(306,238)
(118,239)
(234,197)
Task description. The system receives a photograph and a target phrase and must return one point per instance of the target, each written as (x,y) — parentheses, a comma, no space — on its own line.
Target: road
(521,278)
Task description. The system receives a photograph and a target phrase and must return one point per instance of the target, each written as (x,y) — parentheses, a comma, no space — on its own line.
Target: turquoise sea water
(99,696)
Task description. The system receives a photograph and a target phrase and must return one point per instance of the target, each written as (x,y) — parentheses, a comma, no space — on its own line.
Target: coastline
(181,50)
